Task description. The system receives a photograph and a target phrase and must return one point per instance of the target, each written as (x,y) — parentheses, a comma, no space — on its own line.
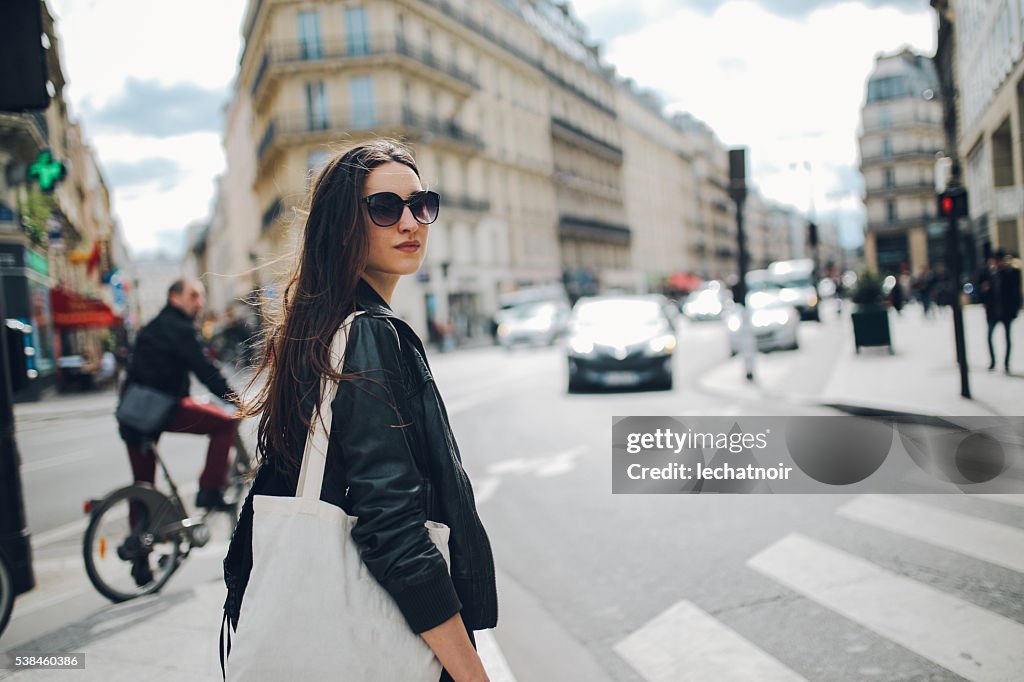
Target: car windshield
(617,312)
(526,311)
(802,281)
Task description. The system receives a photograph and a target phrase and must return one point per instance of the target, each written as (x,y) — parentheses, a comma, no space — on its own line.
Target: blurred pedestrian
(364,442)
(1000,286)
(923,286)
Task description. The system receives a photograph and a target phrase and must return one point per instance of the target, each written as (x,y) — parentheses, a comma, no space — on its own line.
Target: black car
(621,341)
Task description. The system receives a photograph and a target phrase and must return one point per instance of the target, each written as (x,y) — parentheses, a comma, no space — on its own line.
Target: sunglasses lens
(425,207)
(385,208)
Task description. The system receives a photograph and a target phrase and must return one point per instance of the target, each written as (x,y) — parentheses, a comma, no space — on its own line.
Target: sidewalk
(165,638)
(920,377)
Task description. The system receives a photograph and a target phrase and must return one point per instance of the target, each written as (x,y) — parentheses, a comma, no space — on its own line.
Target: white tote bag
(312,610)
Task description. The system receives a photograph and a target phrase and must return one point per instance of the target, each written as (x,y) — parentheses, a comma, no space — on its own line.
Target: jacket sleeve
(191,351)
(383,482)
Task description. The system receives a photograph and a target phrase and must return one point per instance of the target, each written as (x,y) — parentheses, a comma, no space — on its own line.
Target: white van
(795,279)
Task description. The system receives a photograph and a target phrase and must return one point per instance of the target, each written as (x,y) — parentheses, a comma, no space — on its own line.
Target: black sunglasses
(386,207)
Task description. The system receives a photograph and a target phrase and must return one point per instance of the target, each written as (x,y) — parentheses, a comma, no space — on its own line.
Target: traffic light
(953,203)
(22,56)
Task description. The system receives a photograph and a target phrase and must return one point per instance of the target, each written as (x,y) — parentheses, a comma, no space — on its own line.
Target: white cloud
(789,89)
(103,43)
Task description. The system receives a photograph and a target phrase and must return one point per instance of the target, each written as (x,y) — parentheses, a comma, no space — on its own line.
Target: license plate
(620,378)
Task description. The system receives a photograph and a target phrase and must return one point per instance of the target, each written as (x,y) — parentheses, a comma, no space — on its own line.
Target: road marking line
(966,639)
(32,467)
(494,661)
(686,643)
(485,488)
(977,538)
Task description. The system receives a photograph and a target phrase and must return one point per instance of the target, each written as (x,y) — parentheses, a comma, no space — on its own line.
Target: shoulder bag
(312,610)
(145,409)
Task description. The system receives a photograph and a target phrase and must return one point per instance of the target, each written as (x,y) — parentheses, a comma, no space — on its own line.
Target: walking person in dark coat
(1000,285)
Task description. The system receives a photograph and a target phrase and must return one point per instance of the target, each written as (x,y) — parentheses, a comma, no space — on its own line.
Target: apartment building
(990,79)
(61,254)
(549,169)
(900,139)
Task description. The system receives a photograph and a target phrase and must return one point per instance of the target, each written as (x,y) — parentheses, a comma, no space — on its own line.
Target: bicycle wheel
(133,543)
(239,477)
(6,593)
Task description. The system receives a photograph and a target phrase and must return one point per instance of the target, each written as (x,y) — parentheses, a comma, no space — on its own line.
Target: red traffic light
(953,203)
(946,206)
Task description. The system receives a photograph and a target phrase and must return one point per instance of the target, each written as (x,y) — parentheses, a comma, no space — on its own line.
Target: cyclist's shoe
(212,499)
(140,571)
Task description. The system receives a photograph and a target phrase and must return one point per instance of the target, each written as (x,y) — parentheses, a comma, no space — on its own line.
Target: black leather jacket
(392,463)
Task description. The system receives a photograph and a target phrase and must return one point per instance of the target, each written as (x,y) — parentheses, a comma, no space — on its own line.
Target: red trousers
(193,417)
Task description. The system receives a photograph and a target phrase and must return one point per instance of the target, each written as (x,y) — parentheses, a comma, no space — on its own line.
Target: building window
(886,146)
(884,118)
(309,35)
(316,160)
(356,34)
(316,106)
(890,178)
(890,210)
(361,92)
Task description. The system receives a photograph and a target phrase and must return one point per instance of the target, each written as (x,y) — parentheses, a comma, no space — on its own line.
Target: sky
(784,78)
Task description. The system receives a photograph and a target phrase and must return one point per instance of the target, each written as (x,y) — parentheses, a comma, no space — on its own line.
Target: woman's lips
(409,247)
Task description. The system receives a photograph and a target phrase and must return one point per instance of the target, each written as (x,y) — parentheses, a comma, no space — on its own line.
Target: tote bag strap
(314,456)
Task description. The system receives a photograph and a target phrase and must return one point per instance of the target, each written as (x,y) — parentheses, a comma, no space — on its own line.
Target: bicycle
(135,524)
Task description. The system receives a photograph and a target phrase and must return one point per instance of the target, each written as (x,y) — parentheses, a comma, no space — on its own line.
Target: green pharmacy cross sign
(48,170)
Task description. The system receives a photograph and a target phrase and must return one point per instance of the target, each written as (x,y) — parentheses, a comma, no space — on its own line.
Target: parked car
(794,279)
(533,324)
(620,341)
(774,321)
(710,302)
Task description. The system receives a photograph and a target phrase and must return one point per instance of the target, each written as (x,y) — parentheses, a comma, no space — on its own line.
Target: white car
(774,321)
(709,303)
(540,323)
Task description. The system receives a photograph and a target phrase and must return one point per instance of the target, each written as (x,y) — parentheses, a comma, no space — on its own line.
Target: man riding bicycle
(166,351)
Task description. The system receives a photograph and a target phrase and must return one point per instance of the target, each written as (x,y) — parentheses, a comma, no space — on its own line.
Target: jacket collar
(175,312)
(369,300)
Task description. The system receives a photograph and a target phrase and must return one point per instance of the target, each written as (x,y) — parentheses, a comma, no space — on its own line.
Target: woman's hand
(451,645)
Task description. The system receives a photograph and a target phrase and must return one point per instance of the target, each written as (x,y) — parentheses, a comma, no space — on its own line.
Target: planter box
(871,327)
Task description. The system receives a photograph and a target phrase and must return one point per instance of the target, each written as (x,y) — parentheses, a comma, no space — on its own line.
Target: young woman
(392,461)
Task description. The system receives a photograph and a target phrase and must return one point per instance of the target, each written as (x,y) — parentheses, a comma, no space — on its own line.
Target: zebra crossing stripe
(977,538)
(1015,499)
(686,643)
(493,660)
(966,639)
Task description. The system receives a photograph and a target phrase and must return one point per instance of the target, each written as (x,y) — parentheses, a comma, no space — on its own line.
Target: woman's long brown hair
(318,297)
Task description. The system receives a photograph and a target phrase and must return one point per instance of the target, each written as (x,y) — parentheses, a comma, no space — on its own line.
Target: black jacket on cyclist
(166,351)
(392,480)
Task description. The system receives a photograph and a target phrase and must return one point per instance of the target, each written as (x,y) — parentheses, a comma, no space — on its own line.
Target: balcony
(24,135)
(919,154)
(591,229)
(380,49)
(875,191)
(299,128)
(901,224)
(564,130)
(473,25)
(462,202)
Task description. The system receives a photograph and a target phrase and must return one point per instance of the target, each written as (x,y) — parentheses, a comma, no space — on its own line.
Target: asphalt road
(595,586)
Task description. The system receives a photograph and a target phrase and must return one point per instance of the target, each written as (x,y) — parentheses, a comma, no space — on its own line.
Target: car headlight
(734,323)
(581,346)
(502,330)
(813,301)
(664,344)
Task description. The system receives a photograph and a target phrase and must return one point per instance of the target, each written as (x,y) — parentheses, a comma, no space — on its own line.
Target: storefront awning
(74,311)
